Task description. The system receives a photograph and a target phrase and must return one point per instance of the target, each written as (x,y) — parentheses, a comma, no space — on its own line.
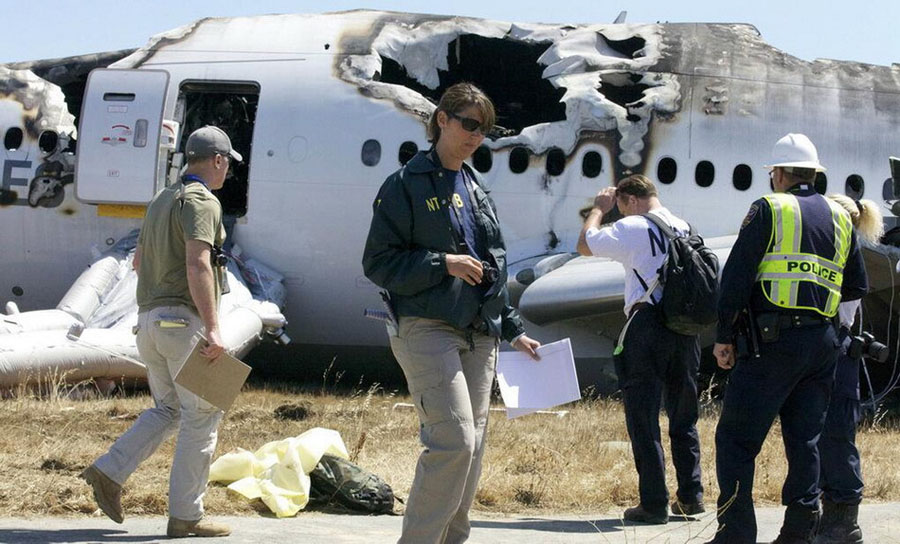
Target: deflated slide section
(89,334)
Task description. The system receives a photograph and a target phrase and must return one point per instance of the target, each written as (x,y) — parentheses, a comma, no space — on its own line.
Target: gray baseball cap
(208,141)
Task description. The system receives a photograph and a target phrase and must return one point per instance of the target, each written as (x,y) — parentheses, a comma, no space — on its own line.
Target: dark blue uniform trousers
(657,363)
(841,477)
(792,378)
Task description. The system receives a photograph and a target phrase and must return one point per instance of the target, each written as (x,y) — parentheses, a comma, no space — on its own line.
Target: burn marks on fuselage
(33,115)
(553,86)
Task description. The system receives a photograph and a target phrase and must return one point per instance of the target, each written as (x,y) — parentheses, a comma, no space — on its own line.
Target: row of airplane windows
(519,158)
(592,165)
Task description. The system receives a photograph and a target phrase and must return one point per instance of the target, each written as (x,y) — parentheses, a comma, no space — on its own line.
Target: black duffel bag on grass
(338,481)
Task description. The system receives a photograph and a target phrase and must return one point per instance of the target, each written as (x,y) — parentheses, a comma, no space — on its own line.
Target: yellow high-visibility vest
(784,267)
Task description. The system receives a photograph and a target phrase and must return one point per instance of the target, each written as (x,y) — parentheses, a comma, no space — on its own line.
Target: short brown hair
(457,98)
(637,186)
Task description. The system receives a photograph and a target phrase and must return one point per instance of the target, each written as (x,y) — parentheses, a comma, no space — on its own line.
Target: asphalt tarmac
(880,524)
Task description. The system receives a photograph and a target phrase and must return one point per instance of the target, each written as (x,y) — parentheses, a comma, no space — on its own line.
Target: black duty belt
(792,321)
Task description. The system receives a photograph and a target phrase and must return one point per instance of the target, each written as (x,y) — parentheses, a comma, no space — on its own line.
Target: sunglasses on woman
(469,124)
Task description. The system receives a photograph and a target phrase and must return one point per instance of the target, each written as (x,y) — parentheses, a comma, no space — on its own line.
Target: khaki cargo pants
(163,349)
(451,387)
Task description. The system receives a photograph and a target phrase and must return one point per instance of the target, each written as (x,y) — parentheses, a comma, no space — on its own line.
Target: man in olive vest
(794,261)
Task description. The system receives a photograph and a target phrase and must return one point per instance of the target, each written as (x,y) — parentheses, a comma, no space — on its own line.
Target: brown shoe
(179,528)
(107,493)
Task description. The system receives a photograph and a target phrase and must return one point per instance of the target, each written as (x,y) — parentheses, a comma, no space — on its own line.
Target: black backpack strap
(664,227)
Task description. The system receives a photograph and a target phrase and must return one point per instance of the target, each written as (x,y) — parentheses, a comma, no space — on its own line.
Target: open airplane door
(119,136)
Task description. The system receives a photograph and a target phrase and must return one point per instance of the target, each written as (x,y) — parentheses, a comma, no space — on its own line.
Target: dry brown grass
(579,463)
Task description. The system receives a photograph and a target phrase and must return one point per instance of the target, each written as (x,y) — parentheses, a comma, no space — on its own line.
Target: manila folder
(217,382)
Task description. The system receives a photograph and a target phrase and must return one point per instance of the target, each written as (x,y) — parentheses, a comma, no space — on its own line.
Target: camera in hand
(865,345)
(491,274)
(219,257)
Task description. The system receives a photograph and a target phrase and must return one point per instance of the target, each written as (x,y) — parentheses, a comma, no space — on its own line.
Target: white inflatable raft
(89,334)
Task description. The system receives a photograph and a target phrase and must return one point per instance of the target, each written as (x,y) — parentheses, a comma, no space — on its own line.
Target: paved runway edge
(880,523)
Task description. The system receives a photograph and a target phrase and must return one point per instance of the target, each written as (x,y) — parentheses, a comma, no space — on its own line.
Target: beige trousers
(163,349)
(450,384)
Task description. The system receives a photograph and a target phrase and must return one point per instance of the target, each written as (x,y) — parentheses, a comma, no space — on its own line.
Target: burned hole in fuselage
(506,70)
(625,90)
(71,75)
(629,48)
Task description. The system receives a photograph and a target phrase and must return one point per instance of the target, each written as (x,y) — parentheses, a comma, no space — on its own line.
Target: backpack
(690,279)
(337,480)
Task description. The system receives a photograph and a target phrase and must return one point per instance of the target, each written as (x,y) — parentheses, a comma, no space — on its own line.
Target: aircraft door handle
(140,133)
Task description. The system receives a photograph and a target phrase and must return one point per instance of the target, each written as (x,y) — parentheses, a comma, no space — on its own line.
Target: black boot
(640,515)
(839,525)
(799,526)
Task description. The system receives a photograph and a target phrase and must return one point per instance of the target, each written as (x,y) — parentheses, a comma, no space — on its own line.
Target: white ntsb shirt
(640,246)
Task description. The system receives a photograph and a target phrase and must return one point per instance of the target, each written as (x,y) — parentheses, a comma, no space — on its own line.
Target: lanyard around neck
(191,178)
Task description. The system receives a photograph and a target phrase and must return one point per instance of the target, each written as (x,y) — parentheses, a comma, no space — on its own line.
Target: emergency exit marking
(118,134)
(125,211)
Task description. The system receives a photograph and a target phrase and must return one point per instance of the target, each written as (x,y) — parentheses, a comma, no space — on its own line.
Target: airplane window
(556,161)
(371,152)
(407,151)
(48,140)
(855,186)
(705,173)
(591,164)
(742,177)
(821,183)
(483,159)
(13,139)
(666,170)
(518,160)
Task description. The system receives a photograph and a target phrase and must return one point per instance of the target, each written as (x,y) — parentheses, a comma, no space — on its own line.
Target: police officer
(793,262)
(435,244)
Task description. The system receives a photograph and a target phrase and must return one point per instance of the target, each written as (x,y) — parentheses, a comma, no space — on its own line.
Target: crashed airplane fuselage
(326,106)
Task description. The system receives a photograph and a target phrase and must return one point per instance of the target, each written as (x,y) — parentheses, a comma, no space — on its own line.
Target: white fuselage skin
(310,195)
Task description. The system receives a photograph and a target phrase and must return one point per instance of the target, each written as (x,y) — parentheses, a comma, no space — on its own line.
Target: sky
(867,31)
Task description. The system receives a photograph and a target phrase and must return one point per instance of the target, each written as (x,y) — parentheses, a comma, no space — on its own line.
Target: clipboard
(217,383)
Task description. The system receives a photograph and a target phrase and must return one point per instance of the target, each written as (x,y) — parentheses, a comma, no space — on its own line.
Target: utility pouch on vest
(769,326)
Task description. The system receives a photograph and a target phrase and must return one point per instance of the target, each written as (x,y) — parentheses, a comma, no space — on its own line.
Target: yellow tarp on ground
(278,472)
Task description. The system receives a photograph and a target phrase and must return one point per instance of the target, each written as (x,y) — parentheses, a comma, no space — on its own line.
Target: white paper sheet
(528,385)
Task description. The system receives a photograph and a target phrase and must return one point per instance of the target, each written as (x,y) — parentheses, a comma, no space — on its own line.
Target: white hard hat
(795,151)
